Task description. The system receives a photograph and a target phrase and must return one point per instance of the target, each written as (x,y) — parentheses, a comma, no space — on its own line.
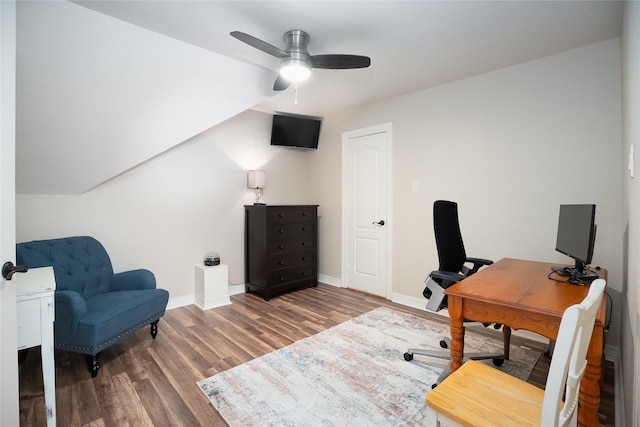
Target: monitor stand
(580,276)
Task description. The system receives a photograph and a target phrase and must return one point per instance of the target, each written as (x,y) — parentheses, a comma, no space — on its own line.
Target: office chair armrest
(446,277)
(477,263)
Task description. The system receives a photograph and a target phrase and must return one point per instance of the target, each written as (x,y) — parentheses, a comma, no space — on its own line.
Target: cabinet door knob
(304,229)
(281,230)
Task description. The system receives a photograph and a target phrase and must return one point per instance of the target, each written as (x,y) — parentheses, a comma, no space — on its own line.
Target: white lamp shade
(256,179)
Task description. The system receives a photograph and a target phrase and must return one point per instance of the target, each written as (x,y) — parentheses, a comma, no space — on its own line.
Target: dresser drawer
(292,259)
(279,215)
(293,244)
(278,277)
(286,230)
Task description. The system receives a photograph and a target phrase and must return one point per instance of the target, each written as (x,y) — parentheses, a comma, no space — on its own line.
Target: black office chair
(453,268)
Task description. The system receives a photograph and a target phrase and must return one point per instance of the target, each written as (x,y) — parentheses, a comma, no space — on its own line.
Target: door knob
(8,269)
(381,222)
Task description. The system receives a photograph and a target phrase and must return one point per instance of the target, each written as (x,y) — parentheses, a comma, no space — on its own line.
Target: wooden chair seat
(480,395)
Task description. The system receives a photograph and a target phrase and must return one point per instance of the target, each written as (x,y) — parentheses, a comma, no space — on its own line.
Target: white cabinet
(212,286)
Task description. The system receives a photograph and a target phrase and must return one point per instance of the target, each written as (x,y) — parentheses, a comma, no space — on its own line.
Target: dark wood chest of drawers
(281,248)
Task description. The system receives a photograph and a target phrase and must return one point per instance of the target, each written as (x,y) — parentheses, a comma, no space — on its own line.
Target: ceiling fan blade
(281,83)
(340,62)
(258,44)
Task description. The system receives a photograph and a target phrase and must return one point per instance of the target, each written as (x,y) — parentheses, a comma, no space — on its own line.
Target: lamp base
(259,204)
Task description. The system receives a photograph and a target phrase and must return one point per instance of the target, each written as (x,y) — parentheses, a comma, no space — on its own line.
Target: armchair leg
(154,329)
(94,364)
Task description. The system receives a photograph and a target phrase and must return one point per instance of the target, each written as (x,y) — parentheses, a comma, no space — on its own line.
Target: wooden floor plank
(153,382)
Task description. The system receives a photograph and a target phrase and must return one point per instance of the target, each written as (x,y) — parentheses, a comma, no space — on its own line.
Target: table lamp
(256,179)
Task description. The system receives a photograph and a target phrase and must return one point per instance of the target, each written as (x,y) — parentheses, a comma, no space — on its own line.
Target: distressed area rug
(353,374)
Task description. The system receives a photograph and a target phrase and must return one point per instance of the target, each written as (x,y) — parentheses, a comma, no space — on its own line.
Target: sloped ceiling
(97,96)
(106,85)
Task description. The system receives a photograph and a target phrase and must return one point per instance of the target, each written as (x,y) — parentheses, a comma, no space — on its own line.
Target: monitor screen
(576,233)
(295,131)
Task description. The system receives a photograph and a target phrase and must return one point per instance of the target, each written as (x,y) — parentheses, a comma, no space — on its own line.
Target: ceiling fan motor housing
(296,65)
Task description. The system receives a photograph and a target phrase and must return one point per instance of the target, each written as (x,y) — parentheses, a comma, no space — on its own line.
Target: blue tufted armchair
(94,308)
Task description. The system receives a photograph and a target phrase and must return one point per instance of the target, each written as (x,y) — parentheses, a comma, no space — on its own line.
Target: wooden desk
(34,295)
(518,294)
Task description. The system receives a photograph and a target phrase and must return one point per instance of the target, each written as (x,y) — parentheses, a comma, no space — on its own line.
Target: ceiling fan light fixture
(295,70)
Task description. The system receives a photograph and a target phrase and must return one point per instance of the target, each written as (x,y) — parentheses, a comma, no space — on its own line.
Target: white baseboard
(181,301)
(330,280)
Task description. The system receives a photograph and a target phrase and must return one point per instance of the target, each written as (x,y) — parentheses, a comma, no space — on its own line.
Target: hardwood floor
(145,382)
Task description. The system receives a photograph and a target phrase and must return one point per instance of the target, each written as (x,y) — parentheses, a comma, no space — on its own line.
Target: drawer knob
(304,214)
(304,243)
(281,230)
(280,215)
(282,279)
(305,229)
(280,247)
(281,263)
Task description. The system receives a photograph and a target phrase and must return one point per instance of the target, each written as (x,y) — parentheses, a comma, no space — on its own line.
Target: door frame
(9,403)
(382,128)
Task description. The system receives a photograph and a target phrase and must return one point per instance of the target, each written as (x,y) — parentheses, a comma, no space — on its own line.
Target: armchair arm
(133,279)
(70,308)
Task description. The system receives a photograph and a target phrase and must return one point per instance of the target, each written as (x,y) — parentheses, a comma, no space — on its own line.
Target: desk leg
(454,306)
(48,364)
(506,339)
(590,385)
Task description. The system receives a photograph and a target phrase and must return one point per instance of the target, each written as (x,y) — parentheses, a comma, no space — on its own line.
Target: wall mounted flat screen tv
(295,131)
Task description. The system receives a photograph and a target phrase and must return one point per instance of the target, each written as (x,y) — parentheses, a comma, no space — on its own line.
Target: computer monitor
(576,236)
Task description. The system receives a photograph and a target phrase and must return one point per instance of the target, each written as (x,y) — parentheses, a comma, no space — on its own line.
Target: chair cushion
(114,315)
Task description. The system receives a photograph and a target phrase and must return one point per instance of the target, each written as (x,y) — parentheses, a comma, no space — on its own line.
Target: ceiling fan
(295,61)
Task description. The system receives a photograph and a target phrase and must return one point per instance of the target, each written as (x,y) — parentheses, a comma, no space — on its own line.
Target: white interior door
(9,415)
(367,210)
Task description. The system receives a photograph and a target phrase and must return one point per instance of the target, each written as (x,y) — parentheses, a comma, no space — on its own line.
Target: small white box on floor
(212,286)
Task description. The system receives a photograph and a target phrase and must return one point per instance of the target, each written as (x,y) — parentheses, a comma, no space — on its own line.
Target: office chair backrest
(451,253)
(570,359)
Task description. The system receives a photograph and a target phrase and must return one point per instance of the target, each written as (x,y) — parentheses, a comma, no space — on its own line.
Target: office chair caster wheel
(408,356)
(498,362)
(444,344)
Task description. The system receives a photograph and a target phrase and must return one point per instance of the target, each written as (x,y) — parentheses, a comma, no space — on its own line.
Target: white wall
(167,213)
(509,146)
(630,318)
